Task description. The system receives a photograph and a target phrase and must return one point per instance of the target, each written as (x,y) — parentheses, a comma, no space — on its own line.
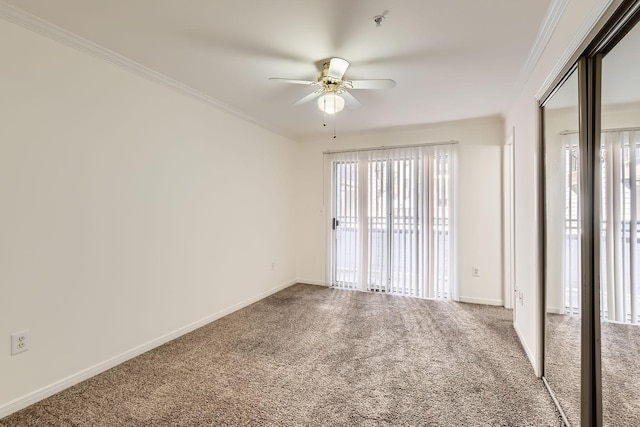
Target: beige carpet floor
(310,355)
(620,369)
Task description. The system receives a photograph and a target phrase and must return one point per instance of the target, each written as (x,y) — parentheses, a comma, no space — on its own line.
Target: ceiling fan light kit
(331,103)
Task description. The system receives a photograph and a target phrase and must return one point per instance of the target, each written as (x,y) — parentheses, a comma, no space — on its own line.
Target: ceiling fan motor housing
(330,84)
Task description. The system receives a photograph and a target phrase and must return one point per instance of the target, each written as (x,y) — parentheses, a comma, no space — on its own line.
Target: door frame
(508,224)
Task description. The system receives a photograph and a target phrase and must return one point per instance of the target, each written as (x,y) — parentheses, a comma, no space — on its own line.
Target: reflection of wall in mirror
(620,116)
(556,121)
(623,116)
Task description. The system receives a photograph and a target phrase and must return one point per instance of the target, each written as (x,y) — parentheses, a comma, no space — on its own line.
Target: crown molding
(545,31)
(573,50)
(45,28)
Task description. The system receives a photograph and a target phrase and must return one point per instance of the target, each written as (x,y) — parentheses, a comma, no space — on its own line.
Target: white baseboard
(554,310)
(527,350)
(51,389)
(313,282)
(483,301)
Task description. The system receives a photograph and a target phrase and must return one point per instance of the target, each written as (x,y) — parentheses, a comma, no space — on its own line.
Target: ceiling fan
(332,87)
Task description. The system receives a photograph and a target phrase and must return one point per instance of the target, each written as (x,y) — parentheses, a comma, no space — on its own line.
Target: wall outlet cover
(19,342)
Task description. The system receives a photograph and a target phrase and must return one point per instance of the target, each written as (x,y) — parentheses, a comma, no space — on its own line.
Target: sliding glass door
(345,223)
(392,220)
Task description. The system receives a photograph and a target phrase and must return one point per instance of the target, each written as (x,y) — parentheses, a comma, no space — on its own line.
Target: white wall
(479,161)
(128,211)
(523,116)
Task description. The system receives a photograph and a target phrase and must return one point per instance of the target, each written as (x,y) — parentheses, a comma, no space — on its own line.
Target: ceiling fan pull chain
(334,125)
(324,111)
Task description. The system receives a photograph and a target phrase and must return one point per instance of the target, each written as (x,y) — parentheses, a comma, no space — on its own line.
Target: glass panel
(408,188)
(562,327)
(620,266)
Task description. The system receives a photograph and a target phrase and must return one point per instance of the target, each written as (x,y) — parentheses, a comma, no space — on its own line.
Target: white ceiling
(451,59)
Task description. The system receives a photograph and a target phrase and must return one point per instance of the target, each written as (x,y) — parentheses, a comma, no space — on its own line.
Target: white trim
(327,216)
(588,25)
(455,220)
(527,351)
(58,34)
(546,30)
(51,389)
(554,310)
(483,301)
(508,229)
(313,282)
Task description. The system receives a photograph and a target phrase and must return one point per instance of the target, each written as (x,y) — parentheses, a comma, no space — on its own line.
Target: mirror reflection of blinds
(395,211)
(571,294)
(619,245)
(619,287)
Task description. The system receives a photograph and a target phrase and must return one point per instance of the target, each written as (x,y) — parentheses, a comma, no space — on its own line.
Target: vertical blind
(571,251)
(392,223)
(345,253)
(619,245)
(620,299)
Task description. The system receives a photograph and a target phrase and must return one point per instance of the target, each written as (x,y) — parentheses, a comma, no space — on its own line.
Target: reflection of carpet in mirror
(620,369)
(562,362)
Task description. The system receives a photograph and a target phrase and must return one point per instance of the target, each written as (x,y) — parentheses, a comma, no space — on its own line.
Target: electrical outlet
(273,265)
(475,271)
(19,342)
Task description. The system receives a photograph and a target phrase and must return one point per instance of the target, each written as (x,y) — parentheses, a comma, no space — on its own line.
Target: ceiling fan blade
(313,95)
(370,84)
(297,82)
(337,68)
(350,100)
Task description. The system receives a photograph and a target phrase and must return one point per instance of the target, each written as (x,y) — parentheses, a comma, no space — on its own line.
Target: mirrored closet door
(620,233)
(563,252)
(591,229)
